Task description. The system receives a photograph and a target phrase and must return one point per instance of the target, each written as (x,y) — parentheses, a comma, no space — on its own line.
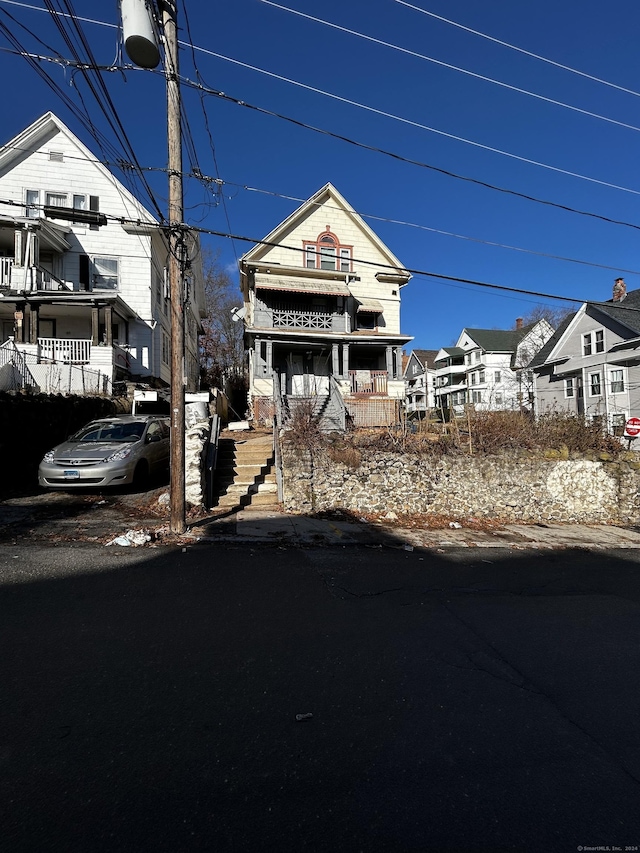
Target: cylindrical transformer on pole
(140,40)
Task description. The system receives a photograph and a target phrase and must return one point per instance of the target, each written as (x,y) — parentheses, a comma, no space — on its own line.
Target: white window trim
(599,375)
(623,379)
(586,338)
(572,395)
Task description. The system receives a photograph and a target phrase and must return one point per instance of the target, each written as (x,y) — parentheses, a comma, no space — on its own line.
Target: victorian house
(322,317)
(84,301)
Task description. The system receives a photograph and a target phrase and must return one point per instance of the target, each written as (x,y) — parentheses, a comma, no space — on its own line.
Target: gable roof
(426,357)
(617,311)
(543,354)
(498,340)
(327,193)
(46,127)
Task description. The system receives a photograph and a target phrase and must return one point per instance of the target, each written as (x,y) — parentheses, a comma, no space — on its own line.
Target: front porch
(363,380)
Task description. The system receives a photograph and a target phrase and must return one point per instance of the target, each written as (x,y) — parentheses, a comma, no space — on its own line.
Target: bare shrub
(491,433)
(345,454)
(302,431)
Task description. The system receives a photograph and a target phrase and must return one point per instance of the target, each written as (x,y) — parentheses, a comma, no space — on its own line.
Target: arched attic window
(327,253)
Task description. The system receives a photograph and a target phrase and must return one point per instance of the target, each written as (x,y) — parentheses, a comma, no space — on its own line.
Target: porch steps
(245,475)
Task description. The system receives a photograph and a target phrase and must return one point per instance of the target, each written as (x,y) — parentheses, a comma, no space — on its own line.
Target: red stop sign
(632,427)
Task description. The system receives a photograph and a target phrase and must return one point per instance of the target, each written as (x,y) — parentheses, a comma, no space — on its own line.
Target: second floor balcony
(296,316)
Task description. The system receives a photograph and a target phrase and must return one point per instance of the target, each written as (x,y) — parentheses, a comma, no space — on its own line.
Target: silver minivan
(113,451)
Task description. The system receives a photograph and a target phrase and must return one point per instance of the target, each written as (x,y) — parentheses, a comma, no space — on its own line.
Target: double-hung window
(595,387)
(617,381)
(105,273)
(497,376)
(569,387)
(586,344)
(481,377)
(32,201)
(600,340)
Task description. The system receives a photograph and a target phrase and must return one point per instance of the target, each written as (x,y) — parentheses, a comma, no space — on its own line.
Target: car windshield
(110,432)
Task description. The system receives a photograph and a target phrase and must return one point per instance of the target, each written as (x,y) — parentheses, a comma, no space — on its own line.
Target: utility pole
(176,265)
(141,46)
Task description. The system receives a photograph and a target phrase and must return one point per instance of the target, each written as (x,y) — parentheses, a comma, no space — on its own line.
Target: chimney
(518,323)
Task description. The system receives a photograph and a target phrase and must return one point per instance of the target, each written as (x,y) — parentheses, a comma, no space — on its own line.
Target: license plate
(71,475)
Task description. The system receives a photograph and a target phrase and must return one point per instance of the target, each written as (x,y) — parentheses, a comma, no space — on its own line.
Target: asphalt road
(471,701)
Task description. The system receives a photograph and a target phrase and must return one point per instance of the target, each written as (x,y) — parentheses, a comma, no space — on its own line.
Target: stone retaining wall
(516,488)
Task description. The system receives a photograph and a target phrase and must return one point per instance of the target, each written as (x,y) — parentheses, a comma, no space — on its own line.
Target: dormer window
(326,253)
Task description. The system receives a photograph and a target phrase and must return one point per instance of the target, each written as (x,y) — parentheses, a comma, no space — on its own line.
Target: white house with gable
(322,317)
(83,304)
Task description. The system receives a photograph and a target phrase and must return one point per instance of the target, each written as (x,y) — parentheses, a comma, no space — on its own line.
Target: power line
(451,67)
(417,272)
(225,97)
(520,49)
(99,92)
(208,180)
(412,123)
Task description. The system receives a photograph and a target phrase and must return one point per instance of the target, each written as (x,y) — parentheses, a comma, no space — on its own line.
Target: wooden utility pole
(176,266)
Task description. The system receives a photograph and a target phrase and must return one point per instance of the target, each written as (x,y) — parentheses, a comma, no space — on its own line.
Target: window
(80,202)
(56,156)
(481,377)
(105,273)
(497,376)
(326,253)
(586,344)
(618,422)
(617,381)
(499,399)
(32,197)
(476,356)
(594,385)
(165,348)
(600,340)
(569,387)
(467,358)
(474,378)
(476,396)
(55,199)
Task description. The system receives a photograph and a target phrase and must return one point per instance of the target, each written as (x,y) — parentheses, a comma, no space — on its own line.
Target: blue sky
(280,162)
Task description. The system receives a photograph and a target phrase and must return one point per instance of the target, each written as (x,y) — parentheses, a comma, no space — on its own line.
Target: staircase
(245,475)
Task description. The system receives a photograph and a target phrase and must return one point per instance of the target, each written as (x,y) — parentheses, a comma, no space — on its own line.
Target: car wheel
(141,475)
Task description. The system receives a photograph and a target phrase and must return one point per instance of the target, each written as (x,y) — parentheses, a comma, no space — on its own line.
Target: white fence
(22,371)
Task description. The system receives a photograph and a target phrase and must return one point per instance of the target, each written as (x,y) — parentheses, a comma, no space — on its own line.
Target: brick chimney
(619,290)
(518,323)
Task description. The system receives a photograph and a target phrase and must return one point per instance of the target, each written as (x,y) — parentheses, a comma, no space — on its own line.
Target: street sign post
(632,428)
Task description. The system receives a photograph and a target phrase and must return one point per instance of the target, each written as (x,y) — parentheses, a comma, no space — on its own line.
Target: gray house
(591,365)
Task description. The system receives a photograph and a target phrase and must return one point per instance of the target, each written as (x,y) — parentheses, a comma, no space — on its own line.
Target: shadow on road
(240,698)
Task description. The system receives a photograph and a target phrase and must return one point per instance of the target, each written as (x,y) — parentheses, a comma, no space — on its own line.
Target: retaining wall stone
(510,487)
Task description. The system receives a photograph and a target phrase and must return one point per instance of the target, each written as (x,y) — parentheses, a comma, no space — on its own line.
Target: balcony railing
(285,319)
(65,350)
(368,381)
(5,271)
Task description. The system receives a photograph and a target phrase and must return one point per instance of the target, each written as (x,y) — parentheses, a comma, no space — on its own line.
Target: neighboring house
(86,305)
(322,317)
(490,368)
(591,365)
(419,380)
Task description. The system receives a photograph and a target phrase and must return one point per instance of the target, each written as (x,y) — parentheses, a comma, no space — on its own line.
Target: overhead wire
(529,53)
(98,87)
(413,123)
(450,66)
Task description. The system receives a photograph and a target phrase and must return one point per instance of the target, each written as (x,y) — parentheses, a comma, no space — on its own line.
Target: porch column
(389,356)
(108,324)
(95,326)
(345,361)
(33,324)
(19,320)
(335,361)
(398,363)
(269,358)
